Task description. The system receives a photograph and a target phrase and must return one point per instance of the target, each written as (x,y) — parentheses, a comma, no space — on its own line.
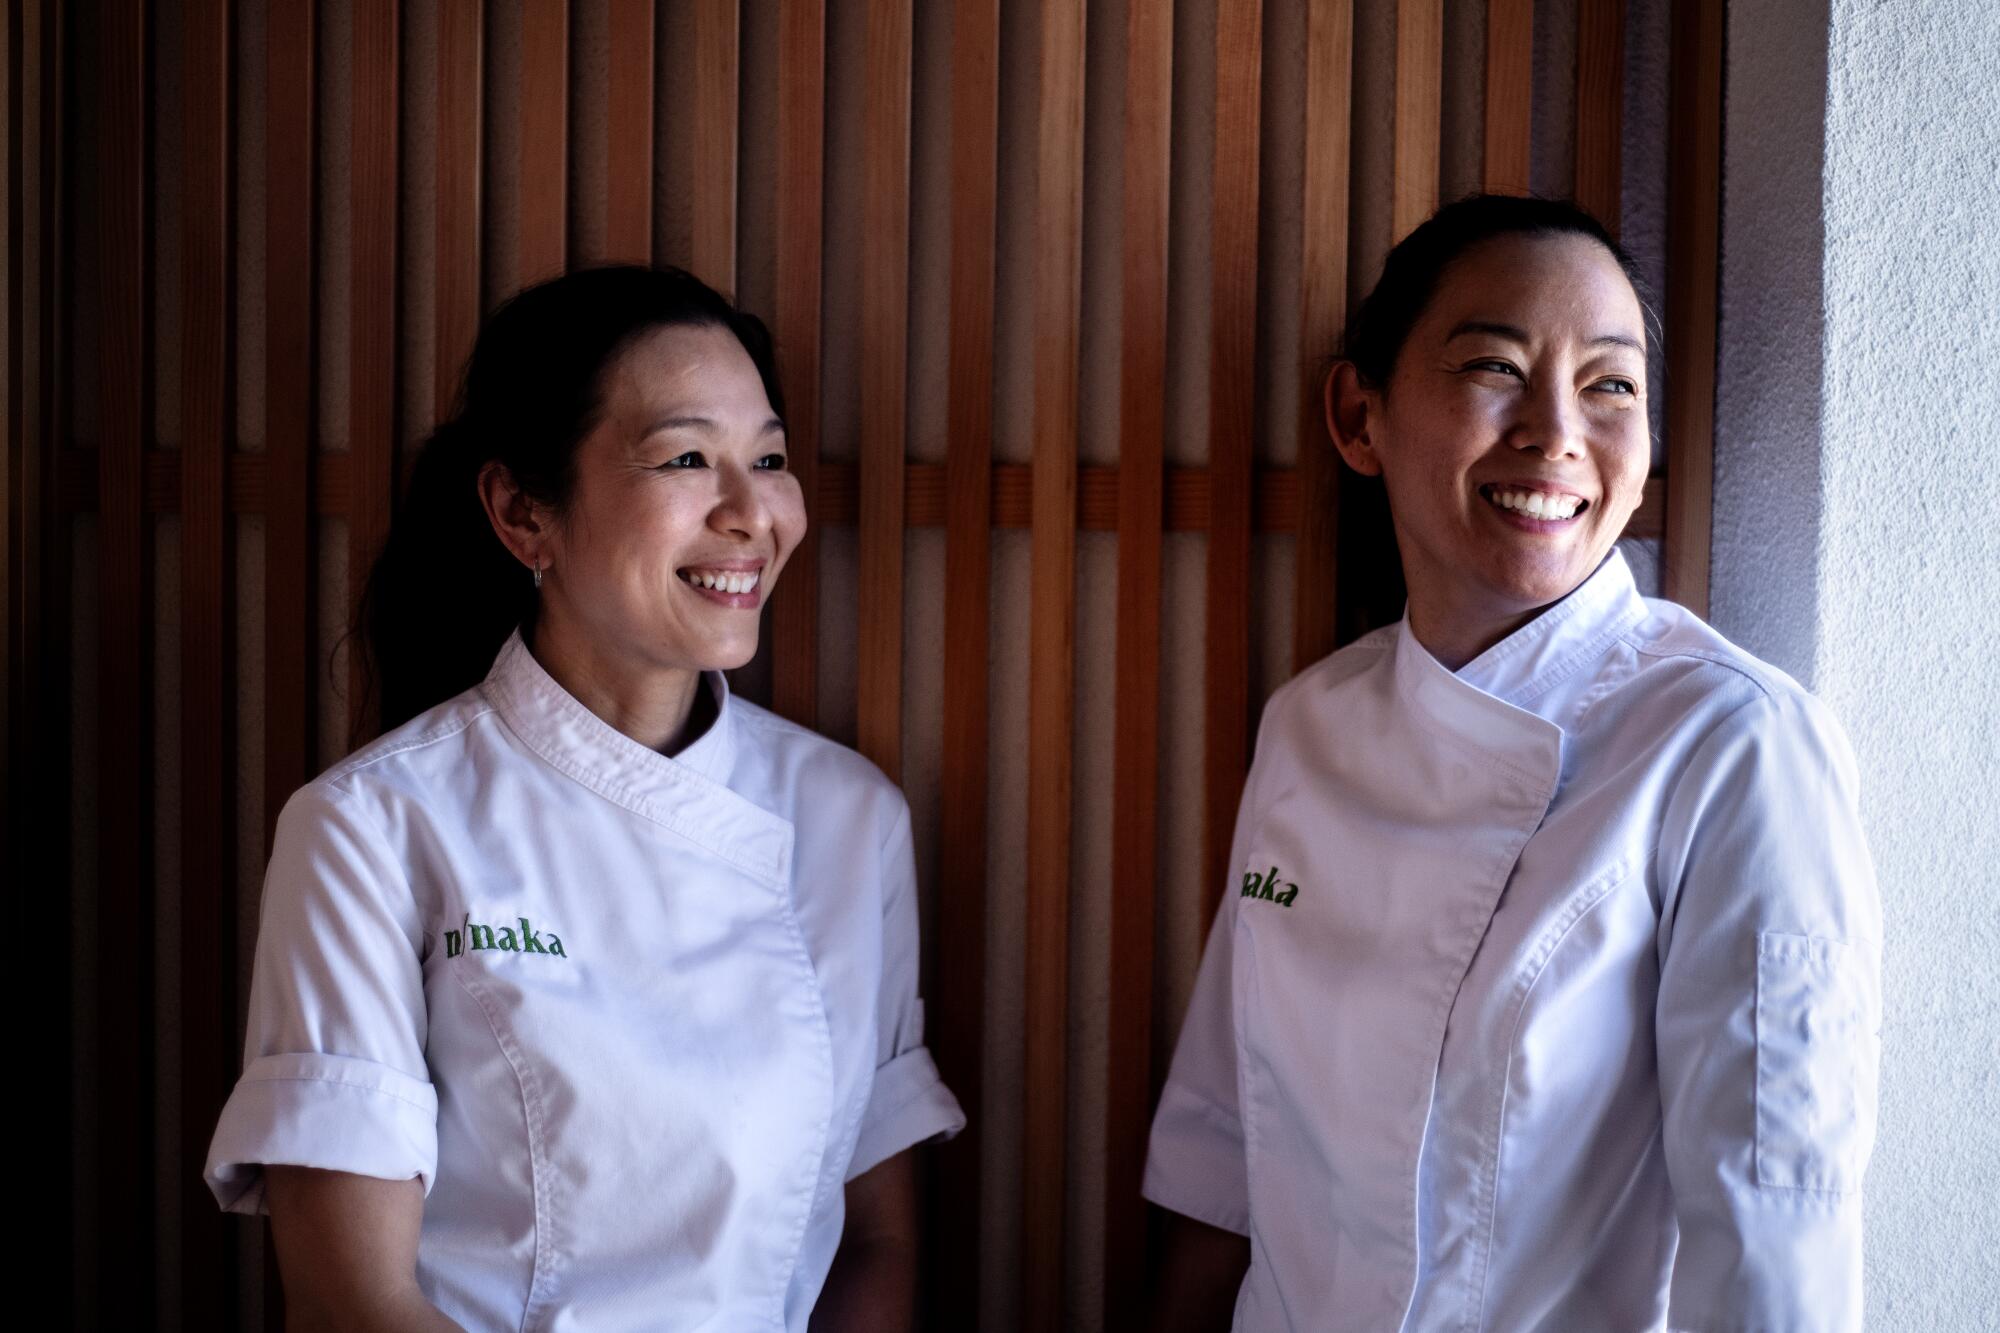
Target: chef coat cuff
(909,1105)
(332,1112)
(1195,1164)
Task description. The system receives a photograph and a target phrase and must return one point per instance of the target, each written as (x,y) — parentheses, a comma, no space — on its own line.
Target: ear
(521,525)
(1352,409)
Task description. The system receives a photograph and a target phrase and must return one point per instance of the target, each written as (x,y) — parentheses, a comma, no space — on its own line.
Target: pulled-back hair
(445,593)
(1411,273)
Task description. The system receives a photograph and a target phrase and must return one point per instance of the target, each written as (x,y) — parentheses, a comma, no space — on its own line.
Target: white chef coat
(1548,996)
(635,1021)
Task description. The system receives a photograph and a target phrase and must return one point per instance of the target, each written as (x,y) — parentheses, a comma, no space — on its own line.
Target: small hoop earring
(538,573)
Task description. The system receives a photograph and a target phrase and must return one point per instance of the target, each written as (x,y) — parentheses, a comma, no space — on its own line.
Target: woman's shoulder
(405,761)
(797,762)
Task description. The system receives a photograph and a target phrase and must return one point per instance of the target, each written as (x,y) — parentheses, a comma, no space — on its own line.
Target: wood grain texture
(629,111)
(460,91)
(1510,94)
(1694,225)
(1600,107)
(1419,88)
(885,318)
(957,1004)
(713,186)
(796,330)
(1322,312)
(371,389)
(290,318)
(208,667)
(542,201)
(1058,229)
(124,834)
(1231,435)
(1142,386)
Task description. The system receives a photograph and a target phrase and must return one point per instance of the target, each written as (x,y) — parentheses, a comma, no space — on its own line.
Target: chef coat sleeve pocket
(1815,1074)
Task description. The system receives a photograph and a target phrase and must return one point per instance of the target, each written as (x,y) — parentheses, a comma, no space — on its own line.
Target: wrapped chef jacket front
(1547,997)
(635,1021)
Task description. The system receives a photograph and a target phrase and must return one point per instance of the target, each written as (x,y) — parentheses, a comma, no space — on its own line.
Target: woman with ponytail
(585,997)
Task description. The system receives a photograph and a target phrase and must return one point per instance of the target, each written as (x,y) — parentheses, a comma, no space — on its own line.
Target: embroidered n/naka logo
(472,935)
(1267,887)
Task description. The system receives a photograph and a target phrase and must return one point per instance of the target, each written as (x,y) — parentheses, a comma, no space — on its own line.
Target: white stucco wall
(1857,543)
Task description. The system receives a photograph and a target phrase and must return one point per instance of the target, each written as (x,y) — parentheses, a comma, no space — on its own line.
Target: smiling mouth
(1545,506)
(733,582)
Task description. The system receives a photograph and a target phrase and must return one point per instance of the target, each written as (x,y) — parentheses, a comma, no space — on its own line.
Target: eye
(1495,367)
(770,463)
(691,459)
(1616,386)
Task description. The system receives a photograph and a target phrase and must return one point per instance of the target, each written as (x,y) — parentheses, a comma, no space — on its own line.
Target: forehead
(1549,286)
(682,368)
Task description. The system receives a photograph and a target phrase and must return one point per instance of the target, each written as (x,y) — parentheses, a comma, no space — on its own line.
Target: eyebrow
(1520,335)
(707,425)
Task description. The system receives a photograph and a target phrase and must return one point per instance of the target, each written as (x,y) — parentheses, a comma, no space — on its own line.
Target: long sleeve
(334,1074)
(1768,1023)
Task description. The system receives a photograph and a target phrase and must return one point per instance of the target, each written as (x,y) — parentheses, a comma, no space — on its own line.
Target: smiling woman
(1567,1017)
(587,995)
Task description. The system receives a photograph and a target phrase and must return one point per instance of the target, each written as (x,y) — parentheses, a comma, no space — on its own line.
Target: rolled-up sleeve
(909,1102)
(334,1073)
(1768,1024)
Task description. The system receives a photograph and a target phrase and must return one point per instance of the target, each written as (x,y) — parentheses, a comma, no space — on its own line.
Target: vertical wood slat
(1142,376)
(796,330)
(1510,94)
(1419,89)
(290,618)
(1232,414)
(713,186)
(124,1047)
(461,58)
(628,95)
(1600,106)
(36,819)
(1322,312)
(372,361)
(1058,229)
(885,285)
(958,1001)
(208,671)
(1694,223)
(543,197)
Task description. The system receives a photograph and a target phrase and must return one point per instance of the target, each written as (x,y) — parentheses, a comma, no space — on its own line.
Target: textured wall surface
(1884,597)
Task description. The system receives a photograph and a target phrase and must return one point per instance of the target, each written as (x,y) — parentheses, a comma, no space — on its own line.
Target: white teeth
(1536,504)
(725,581)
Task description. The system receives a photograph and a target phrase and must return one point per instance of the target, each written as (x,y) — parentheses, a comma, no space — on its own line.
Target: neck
(1455,640)
(662,708)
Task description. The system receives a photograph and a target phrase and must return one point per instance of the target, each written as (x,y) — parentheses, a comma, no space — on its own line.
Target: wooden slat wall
(885,308)
(1142,390)
(1058,245)
(1222,484)
(208,670)
(124,905)
(1232,410)
(958,997)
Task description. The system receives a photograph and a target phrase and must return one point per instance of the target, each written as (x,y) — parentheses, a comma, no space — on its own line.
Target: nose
(1550,422)
(740,510)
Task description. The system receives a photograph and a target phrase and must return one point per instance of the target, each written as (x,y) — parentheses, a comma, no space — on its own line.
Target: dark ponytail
(445,593)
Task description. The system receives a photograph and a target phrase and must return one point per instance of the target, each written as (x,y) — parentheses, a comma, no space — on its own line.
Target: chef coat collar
(688,793)
(1525,665)
(548,717)
(1490,704)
